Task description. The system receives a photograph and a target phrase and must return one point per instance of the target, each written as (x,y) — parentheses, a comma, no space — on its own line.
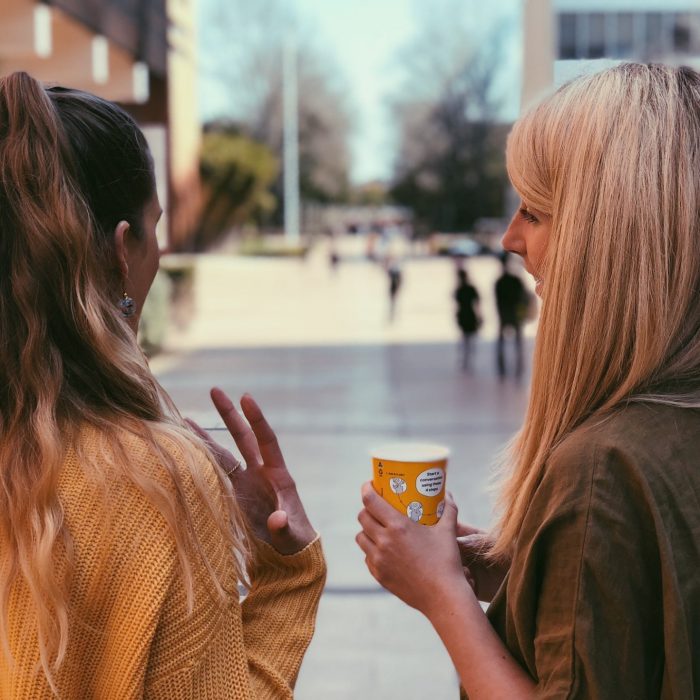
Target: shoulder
(638,434)
(633,452)
(142,499)
(132,471)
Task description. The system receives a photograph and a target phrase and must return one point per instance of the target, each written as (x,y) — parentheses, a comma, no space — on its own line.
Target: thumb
(280,534)
(277,522)
(449,515)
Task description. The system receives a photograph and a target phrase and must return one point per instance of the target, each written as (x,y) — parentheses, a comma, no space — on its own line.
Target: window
(682,38)
(567,35)
(624,37)
(596,35)
(654,35)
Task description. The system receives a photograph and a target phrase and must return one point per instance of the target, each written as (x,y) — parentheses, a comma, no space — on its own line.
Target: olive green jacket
(602,599)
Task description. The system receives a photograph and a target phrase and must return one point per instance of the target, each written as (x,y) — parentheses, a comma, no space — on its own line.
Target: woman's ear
(120,249)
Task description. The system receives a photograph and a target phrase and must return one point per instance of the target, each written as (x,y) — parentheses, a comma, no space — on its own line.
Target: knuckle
(384,544)
(397,527)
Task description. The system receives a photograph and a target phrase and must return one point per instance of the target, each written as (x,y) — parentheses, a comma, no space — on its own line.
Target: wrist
(450,595)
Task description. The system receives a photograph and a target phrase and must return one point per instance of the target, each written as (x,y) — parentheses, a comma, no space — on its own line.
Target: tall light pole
(291,142)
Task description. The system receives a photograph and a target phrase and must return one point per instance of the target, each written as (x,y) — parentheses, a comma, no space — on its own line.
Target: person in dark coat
(393,270)
(511,302)
(468,315)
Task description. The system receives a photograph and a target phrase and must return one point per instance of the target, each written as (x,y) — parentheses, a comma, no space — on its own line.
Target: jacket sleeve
(585,581)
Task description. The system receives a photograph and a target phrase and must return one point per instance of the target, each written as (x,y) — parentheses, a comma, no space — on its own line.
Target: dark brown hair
(71,167)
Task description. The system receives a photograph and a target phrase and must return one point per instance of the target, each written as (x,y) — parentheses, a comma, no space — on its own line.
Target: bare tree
(449,166)
(242,53)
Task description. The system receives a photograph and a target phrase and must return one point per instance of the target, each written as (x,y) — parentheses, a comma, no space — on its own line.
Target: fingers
(472,542)
(377,506)
(225,459)
(449,516)
(370,525)
(267,440)
(472,550)
(240,431)
(463,529)
(365,544)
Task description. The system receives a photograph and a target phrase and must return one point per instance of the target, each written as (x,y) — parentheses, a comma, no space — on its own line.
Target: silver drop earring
(127,306)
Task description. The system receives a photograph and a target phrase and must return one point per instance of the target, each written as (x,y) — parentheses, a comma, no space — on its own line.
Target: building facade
(575,36)
(140,53)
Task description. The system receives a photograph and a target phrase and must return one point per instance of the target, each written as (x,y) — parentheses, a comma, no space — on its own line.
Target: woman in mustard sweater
(124,535)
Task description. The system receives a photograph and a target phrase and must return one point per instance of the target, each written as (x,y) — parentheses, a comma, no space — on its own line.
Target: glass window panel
(596,35)
(654,35)
(624,37)
(681,33)
(567,35)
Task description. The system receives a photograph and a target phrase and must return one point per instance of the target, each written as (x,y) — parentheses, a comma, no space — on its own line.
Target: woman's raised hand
(265,489)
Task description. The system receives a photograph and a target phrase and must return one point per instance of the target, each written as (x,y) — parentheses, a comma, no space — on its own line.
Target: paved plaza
(334,377)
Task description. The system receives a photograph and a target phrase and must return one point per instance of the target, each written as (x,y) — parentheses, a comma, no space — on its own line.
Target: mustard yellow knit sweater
(130,633)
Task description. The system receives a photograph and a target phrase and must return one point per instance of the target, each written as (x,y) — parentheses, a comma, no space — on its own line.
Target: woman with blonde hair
(124,536)
(592,569)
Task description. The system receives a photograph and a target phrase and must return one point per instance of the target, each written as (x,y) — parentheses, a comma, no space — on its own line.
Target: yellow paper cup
(411,477)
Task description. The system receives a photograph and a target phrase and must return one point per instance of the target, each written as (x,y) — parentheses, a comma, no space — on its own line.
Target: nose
(512,240)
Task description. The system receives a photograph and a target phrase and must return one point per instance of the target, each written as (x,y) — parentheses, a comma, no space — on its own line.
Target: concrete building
(563,38)
(140,53)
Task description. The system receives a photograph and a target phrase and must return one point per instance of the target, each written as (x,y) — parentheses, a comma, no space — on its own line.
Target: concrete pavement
(334,378)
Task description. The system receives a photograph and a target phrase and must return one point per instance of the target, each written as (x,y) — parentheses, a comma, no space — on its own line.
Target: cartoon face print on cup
(415,511)
(398,485)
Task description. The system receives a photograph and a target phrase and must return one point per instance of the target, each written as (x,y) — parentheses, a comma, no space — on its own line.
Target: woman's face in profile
(527,235)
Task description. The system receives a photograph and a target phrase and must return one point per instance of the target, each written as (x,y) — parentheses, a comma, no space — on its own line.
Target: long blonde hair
(72,165)
(614,159)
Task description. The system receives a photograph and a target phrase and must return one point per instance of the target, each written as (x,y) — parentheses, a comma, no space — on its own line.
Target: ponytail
(37,207)
(71,166)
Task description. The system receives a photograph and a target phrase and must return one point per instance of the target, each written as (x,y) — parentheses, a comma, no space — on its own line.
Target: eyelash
(530,218)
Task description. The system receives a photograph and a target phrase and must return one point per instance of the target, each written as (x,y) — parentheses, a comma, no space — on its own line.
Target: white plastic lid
(411,452)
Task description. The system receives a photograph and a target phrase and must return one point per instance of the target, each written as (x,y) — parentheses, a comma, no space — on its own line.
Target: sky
(364,37)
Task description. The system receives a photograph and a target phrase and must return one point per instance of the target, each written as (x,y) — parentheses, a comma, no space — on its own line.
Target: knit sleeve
(251,651)
(279,616)
(228,649)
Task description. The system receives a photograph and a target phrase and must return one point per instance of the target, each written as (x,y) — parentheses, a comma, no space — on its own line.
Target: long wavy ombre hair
(614,159)
(71,167)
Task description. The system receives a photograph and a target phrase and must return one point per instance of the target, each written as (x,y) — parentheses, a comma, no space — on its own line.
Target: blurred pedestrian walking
(333,255)
(468,316)
(393,269)
(511,302)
